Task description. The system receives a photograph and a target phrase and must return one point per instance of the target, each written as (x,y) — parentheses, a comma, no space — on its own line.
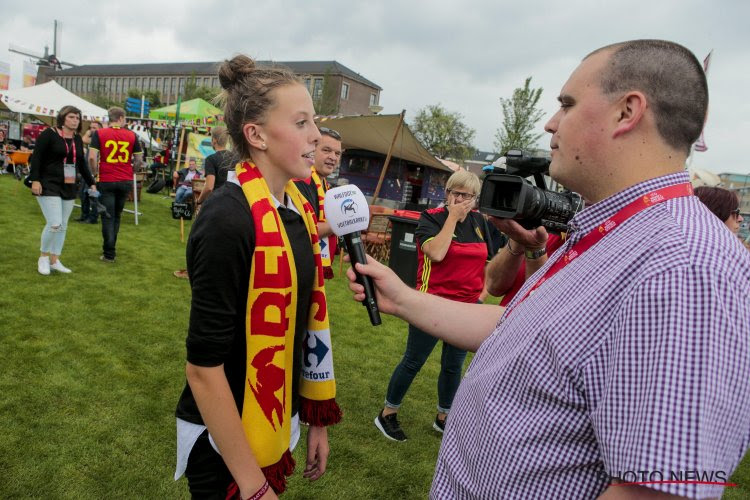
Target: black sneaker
(439,425)
(106,259)
(390,427)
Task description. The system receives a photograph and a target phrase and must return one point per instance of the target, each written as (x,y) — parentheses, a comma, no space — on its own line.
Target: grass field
(93,364)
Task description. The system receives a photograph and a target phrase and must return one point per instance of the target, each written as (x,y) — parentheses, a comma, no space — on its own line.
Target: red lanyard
(609,225)
(67,150)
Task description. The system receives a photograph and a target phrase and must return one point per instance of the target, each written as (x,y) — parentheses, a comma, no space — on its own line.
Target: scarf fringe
(319,413)
(328,272)
(277,473)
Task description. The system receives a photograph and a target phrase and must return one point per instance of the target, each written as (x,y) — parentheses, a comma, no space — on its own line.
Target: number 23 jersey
(116,148)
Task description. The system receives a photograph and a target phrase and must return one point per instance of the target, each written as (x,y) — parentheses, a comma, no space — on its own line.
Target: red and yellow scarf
(329,252)
(270,326)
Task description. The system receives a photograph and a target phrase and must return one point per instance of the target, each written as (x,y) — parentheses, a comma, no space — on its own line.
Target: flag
(29,74)
(4,75)
(700,144)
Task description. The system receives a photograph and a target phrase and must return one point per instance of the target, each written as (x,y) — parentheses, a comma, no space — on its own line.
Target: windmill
(46,60)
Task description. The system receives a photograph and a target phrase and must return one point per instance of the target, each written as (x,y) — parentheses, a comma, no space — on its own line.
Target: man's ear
(630,108)
(254,135)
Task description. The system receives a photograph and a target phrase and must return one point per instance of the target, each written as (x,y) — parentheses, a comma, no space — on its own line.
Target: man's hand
(388,287)
(36,188)
(317,452)
(529,238)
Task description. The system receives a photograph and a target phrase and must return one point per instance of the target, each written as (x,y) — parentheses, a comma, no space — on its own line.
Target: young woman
(258,346)
(723,203)
(57,157)
(452,251)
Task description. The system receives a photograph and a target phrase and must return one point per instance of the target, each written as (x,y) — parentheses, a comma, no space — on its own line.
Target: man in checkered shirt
(632,363)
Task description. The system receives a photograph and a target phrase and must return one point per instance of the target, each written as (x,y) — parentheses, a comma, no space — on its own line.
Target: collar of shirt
(591,216)
(232,177)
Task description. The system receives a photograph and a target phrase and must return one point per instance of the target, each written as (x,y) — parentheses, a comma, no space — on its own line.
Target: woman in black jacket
(58,155)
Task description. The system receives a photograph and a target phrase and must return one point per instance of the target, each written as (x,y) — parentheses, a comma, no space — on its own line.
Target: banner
(4,75)
(29,73)
(199,146)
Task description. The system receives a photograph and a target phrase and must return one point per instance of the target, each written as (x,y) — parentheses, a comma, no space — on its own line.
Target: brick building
(356,94)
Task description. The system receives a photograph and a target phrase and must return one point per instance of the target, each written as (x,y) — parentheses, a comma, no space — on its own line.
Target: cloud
(464,56)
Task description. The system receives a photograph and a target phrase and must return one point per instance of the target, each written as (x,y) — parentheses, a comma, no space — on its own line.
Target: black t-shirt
(219,164)
(308,190)
(219,256)
(47,161)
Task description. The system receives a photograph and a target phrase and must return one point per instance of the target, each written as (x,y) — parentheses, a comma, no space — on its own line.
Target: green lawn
(93,364)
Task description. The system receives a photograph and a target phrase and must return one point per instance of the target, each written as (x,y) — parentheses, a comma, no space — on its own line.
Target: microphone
(347,212)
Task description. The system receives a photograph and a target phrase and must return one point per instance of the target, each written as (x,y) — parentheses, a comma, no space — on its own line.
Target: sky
(462,55)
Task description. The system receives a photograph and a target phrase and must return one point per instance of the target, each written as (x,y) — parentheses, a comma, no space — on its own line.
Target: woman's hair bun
(234,70)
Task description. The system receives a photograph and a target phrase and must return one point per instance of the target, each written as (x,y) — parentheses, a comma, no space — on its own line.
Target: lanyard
(609,225)
(67,150)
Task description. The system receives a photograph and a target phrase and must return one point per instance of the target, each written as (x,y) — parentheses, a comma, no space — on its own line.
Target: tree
(328,102)
(443,133)
(520,116)
(152,96)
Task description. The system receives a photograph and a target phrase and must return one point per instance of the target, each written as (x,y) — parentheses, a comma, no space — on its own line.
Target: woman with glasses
(723,203)
(452,250)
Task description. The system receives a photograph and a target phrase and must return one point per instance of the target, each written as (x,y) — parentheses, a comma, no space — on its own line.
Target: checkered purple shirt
(633,361)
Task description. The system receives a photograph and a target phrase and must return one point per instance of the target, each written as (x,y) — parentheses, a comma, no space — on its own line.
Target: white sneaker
(43,265)
(58,266)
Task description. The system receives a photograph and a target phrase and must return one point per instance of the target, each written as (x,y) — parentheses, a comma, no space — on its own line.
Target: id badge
(69,172)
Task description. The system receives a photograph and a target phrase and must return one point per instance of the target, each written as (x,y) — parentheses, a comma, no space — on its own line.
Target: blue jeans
(182,193)
(419,345)
(113,198)
(56,212)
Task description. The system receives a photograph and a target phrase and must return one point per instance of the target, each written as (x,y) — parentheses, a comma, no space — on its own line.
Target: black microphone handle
(356,251)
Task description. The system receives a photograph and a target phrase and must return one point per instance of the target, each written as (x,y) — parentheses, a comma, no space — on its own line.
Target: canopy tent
(194,109)
(375,133)
(45,101)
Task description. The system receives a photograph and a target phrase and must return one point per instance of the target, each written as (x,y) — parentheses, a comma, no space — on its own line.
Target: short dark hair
(722,202)
(115,113)
(65,111)
(672,79)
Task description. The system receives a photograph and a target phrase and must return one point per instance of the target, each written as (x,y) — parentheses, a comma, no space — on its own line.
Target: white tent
(45,100)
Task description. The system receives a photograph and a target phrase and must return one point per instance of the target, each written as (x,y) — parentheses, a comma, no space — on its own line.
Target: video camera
(509,195)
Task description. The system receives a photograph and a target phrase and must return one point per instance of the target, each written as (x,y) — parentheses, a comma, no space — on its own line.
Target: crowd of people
(620,345)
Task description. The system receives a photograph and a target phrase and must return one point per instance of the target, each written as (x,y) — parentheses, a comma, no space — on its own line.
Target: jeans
(113,195)
(182,193)
(419,345)
(56,212)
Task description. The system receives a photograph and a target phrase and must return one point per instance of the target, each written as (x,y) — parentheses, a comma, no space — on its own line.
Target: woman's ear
(254,135)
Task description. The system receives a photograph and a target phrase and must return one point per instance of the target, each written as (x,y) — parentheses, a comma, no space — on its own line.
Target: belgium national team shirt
(116,148)
(460,275)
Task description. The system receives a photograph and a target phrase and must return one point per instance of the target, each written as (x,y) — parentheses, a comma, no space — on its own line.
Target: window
(317,91)
(307,84)
(182,85)
(215,81)
(344,91)
(373,99)
(359,165)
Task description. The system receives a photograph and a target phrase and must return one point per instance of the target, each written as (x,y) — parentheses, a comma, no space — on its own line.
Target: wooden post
(388,157)
(179,157)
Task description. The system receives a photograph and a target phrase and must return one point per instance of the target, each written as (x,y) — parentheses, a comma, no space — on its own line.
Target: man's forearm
(460,324)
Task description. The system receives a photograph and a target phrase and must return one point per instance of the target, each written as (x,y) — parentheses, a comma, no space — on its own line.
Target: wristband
(535,254)
(512,252)
(259,493)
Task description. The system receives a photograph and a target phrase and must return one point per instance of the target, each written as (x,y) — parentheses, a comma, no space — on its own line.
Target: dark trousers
(419,345)
(88,210)
(207,475)
(113,198)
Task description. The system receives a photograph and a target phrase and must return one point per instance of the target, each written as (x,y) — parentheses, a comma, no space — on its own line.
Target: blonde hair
(463,179)
(219,135)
